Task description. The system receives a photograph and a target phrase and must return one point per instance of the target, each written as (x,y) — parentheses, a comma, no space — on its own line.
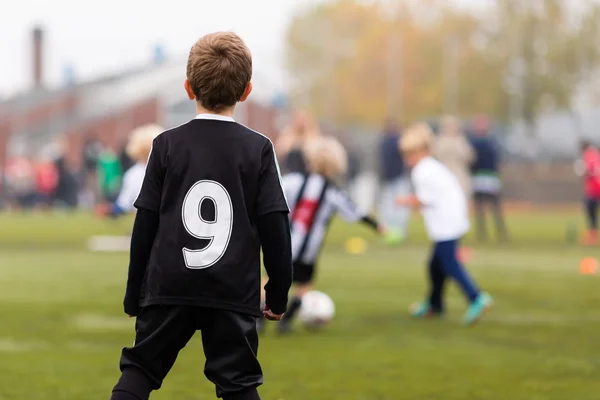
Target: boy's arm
(409,201)
(145,228)
(349,211)
(275,239)
(271,212)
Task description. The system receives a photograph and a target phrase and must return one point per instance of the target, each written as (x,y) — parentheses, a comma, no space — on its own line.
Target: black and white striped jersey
(313,201)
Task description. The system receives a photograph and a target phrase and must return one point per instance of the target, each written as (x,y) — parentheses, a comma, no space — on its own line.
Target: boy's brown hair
(219,69)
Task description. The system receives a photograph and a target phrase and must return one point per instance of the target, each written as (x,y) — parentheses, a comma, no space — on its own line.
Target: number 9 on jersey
(217,231)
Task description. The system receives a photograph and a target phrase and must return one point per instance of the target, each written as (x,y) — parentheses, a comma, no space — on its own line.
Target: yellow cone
(356,245)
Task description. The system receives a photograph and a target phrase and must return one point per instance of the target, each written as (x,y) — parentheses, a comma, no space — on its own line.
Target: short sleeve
(344,205)
(270,196)
(424,188)
(151,192)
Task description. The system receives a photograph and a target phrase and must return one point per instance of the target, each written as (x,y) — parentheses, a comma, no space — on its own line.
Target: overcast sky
(104,36)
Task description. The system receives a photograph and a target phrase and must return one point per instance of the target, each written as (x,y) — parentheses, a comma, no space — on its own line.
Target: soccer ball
(317,310)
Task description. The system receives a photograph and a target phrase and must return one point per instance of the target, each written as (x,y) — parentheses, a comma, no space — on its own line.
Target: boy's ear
(247,92)
(188,90)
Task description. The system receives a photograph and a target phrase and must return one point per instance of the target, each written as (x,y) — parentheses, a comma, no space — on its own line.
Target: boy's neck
(228,112)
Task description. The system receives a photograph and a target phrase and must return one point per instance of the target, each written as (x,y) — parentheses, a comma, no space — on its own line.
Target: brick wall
(60,104)
(113,129)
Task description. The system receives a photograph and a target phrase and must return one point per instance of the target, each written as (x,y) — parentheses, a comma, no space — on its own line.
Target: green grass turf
(62,328)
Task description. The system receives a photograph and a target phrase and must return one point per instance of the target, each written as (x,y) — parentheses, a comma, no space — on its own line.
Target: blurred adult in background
(92,148)
(395,183)
(290,142)
(453,149)
(486,180)
(20,182)
(67,188)
(124,158)
(46,176)
(591,175)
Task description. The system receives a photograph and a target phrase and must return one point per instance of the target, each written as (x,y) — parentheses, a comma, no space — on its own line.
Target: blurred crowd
(46,179)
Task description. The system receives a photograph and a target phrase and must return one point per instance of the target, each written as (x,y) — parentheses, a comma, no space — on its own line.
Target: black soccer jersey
(209,180)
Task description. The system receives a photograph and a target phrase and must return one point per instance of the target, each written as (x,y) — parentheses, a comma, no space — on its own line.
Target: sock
(133,385)
(251,394)
(292,309)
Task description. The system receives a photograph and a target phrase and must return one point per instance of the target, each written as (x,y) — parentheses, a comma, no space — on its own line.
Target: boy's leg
(303,278)
(591,207)
(446,252)
(501,230)
(161,332)
(437,278)
(230,342)
(480,228)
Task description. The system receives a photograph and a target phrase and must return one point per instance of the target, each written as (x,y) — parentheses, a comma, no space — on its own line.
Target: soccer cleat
(477,308)
(423,310)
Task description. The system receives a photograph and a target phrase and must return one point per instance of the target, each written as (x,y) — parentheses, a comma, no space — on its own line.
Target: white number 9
(217,231)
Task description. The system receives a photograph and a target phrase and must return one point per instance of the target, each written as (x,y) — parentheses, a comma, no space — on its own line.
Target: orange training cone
(588,266)
(465,254)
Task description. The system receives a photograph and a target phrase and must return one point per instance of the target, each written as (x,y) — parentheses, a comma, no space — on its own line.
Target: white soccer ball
(317,309)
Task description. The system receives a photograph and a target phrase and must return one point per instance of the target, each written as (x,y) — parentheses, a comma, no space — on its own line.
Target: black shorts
(229,339)
(304,273)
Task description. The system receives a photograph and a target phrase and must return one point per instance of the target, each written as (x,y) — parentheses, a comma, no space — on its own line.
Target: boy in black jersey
(211,198)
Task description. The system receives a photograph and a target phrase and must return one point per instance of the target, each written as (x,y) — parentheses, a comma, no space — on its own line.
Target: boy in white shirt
(444,208)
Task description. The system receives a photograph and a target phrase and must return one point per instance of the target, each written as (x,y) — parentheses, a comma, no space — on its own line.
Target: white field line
(97,322)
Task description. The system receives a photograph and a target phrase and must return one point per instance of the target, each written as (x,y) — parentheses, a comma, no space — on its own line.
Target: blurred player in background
(109,175)
(589,169)
(314,199)
(289,144)
(452,149)
(138,148)
(395,183)
(487,184)
(444,207)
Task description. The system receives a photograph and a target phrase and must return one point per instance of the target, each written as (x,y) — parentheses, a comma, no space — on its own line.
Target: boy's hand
(403,201)
(382,230)
(270,315)
(102,210)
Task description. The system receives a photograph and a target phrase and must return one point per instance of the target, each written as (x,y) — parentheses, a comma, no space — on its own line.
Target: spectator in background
(395,183)
(46,175)
(124,158)
(486,180)
(591,175)
(452,148)
(67,188)
(289,144)
(21,182)
(92,148)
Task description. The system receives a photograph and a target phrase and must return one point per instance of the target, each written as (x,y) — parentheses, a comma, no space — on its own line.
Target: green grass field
(62,326)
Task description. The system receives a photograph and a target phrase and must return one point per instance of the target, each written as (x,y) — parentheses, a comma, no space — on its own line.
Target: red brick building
(107,109)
